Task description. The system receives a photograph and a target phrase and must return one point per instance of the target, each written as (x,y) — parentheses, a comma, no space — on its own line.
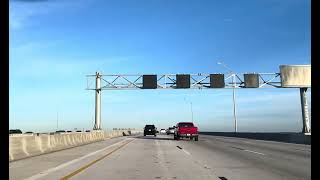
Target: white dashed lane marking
(254,152)
(248,150)
(186,152)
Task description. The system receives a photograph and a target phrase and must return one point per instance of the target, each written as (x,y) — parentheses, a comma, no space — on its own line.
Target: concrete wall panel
(23,146)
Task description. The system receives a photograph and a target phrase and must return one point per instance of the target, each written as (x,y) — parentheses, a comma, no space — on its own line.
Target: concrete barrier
(297,138)
(27,145)
(117,133)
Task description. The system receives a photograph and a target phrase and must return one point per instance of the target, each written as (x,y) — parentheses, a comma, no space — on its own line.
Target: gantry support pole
(97,123)
(305,112)
(234,104)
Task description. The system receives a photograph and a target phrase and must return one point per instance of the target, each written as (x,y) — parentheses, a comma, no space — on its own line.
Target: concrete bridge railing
(297,138)
(23,146)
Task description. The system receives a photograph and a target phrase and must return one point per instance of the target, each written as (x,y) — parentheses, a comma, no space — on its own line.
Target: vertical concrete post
(305,111)
(97,124)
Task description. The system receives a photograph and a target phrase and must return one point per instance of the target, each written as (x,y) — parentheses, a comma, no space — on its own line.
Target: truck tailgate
(188,130)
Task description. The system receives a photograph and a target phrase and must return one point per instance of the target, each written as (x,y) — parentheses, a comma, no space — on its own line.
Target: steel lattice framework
(168,81)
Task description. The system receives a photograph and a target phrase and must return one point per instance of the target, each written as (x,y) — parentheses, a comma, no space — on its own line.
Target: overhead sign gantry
(290,76)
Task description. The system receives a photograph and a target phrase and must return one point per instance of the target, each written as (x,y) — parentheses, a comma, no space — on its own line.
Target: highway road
(161,157)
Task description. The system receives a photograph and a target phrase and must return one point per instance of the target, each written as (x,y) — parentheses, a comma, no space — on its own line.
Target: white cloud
(21,12)
(227,20)
(39,68)
(32,46)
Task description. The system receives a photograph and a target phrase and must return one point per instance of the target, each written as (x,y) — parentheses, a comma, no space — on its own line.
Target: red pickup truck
(186,130)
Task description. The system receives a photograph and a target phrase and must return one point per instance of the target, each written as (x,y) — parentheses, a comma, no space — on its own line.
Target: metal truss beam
(168,81)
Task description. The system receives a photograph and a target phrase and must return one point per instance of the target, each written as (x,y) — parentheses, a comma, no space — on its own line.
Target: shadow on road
(154,138)
(160,138)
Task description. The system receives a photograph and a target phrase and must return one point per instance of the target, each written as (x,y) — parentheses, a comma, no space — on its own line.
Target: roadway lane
(25,168)
(162,157)
(240,158)
(147,158)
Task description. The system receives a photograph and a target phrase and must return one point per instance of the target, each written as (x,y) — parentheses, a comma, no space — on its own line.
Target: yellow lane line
(93,162)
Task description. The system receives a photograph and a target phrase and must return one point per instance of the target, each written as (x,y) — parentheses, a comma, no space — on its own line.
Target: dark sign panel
(149,82)
(217,81)
(251,80)
(183,81)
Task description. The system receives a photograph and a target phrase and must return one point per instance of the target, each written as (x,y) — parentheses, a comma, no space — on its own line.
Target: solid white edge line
(48,171)
(254,152)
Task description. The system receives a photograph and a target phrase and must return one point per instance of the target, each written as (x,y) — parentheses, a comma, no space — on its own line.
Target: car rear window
(185,125)
(15,131)
(150,126)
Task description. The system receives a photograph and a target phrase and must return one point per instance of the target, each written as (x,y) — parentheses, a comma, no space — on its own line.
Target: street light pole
(191,111)
(234,95)
(190,108)
(57,121)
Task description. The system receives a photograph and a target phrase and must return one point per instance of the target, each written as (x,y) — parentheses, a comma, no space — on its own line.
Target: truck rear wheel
(196,138)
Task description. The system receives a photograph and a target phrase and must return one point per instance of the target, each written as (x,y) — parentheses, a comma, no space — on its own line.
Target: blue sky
(54,44)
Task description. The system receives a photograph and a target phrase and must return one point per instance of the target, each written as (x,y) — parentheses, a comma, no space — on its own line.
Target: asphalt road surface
(161,157)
